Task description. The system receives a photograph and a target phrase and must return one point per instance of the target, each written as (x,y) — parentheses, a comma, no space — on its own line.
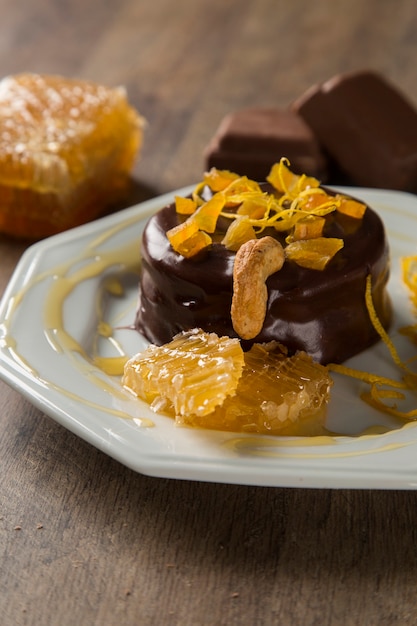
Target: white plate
(69,290)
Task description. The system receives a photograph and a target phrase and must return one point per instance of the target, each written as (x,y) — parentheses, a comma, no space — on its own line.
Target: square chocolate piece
(250,141)
(367,127)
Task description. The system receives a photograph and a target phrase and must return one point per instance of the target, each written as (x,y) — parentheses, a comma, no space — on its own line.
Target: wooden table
(83,540)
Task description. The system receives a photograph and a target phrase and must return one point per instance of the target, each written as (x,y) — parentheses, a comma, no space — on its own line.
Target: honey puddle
(95,261)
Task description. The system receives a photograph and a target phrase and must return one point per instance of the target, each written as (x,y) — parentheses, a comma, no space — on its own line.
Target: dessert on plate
(283,261)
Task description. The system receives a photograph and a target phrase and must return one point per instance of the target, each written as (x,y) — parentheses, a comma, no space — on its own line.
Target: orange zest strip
(381,330)
(366,377)
(377,397)
(374,399)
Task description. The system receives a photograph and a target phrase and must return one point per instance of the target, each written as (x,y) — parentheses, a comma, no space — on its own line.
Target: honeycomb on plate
(207,381)
(67,148)
(192,374)
(276,395)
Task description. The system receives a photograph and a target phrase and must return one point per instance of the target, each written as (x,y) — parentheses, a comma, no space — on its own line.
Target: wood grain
(84,540)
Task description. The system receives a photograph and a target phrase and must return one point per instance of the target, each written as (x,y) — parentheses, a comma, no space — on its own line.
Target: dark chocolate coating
(367,127)
(321,312)
(250,141)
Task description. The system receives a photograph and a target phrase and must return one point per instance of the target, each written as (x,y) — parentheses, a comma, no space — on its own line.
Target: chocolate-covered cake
(320,311)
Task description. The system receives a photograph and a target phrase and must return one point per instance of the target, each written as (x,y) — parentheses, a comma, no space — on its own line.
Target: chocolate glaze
(250,141)
(367,128)
(321,312)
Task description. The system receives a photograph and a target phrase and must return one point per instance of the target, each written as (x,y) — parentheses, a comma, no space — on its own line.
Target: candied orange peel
(308,228)
(351,207)
(313,253)
(239,232)
(185,206)
(297,206)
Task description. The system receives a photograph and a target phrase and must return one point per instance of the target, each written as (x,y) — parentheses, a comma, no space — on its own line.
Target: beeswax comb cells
(67,148)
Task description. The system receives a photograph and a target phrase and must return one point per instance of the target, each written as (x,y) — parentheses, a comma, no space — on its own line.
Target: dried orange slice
(190,375)
(239,232)
(218,180)
(313,254)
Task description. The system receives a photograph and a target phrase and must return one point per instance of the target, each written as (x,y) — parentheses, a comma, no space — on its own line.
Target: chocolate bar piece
(367,127)
(250,141)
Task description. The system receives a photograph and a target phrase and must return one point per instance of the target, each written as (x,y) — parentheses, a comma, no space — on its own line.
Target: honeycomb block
(67,148)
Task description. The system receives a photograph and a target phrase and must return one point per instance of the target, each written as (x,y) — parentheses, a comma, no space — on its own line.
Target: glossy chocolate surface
(321,312)
(367,127)
(250,141)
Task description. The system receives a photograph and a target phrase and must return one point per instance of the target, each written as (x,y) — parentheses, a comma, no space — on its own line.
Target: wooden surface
(83,540)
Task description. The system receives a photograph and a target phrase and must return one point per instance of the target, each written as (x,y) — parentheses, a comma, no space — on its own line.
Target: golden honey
(207,381)
(66,151)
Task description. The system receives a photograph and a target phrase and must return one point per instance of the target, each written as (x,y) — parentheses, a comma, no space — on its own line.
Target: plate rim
(179,468)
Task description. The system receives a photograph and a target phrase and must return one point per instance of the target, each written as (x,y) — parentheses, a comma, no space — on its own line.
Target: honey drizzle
(62,281)
(263,447)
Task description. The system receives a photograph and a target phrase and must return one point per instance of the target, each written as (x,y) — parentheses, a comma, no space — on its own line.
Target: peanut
(255,261)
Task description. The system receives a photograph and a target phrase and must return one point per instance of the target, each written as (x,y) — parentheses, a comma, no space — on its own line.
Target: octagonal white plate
(69,303)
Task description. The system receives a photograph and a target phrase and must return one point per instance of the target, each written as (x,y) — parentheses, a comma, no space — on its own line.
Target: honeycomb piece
(191,374)
(206,381)
(66,151)
(276,395)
